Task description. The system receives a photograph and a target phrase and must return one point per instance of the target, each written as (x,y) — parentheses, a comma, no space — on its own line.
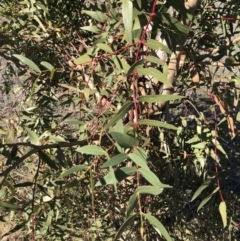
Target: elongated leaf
(158,98)
(149,190)
(154,44)
(47,65)
(84,59)
(133,67)
(157,224)
(205,200)
(92,29)
(125,225)
(131,204)
(127,13)
(124,140)
(45,158)
(73,170)
(201,188)
(154,73)
(158,124)
(138,160)
(15,229)
(9,206)
(33,137)
(105,47)
(115,160)
(91,150)
(123,111)
(97,15)
(120,174)
(28,62)
(152,178)
(223,212)
(155,60)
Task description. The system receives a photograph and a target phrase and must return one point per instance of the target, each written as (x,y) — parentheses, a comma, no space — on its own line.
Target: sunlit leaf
(47,65)
(149,190)
(158,98)
(115,160)
(138,160)
(104,47)
(9,206)
(33,137)
(74,170)
(127,13)
(223,212)
(91,150)
(97,15)
(123,111)
(157,224)
(131,204)
(28,62)
(156,45)
(157,123)
(152,72)
(92,29)
(83,59)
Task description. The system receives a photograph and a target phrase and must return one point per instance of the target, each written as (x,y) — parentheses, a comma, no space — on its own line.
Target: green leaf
(115,160)
(125,225)
(135,65)
(158,98)
(45,158)
(149,190)
(155,60)
(33,137)
(9,206)
(91,150)
(131,204)
(201,188)
(158,124)
(47,65)
(157,224)
(15,229)
(120,174)
(205,200)
(73,170)
(97,15)
(124,140)
(152,178)
(154,44)
(154,73)
(127,14)
(123,111)
(92,29)
(84,59)
(28,62)
(201,145)
(105,47)
(223,212)
(138,160)
(72,183)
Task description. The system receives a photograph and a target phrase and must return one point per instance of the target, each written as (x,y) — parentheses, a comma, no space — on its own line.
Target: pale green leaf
(28,62)
(131,204)
(97,15)
(115,160)
(91,150)
(124,140)
(155,73)
(149,190)
(33,137)
(205,200)
(123,111)
(9,206)
(92,29)
(127,14)
(155,60)
(201,188)
(154,44)
(138,160)
(157,123)
(223,212)
(84,59)
(47,65)
(74,170)
(157,224)
(105,47)
(158,98)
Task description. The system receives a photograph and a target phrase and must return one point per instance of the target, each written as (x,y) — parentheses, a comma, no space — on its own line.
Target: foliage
(103,142)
